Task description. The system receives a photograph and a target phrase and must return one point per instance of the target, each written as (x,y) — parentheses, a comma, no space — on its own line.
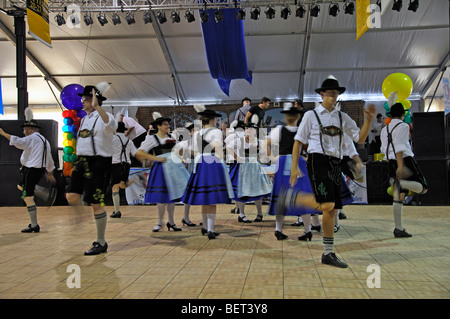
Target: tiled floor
(244,262)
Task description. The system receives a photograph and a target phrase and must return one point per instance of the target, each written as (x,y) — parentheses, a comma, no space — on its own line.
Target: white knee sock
(397,208)
(258,204)
(211,220)
(116,201)
(307,222)
(161,209)
(415,187)
(279,219)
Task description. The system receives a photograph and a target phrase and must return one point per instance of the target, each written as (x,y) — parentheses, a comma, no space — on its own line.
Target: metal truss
(136,5)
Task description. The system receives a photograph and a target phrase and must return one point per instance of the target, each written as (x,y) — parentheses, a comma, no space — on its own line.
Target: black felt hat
(31,123)
(88,92)
(158,119)
(330,84)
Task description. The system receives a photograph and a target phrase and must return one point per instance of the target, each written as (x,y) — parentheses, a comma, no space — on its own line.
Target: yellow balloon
(397,82)
(406,104)
(390,190)
(66,143)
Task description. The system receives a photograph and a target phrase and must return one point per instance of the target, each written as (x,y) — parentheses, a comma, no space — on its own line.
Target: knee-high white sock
(241,206)
(258,204)
(307,222)
(116,201)
(279,219)
(398,208)
(100,223)
(187,208)
(415,187)
(161,209)
(171,213)
(32,211)
(211,220)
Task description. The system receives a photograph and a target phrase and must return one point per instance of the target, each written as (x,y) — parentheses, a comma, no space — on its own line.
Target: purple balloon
(81,113)
(70,98)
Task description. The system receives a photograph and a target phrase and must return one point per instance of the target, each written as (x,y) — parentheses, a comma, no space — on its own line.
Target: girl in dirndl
(209,183)
(283,137)
(166,181)
(247,177)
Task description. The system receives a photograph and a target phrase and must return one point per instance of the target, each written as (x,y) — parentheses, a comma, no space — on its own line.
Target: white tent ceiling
(288,58)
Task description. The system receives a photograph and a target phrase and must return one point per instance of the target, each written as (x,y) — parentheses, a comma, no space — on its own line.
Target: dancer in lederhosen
(209,183)
(184,150)
(322,129)
(250,184)
(166,181)
(280,144)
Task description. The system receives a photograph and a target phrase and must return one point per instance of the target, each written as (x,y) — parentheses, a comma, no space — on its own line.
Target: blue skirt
(209,183)
(157,191)
(346,194)
(248,181)
(282,177)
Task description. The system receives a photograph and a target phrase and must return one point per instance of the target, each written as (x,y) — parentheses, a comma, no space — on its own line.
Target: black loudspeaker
(429,135)
(436,172)
(9,179)
(10,154)
(377,183)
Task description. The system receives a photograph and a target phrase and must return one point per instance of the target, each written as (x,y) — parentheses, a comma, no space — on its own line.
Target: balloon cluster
(401,85)
(72,120)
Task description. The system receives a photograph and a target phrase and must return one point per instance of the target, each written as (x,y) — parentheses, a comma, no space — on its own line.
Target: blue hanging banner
(1,99)
(225,48)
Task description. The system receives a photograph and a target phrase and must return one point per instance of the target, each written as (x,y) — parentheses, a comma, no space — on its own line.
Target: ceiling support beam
(439,69)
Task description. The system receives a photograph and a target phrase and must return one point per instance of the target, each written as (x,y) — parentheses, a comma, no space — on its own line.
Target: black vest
(286,141)
(163,148)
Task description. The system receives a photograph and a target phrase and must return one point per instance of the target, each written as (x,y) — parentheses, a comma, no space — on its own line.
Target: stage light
(175,16)
(130,18)
(397,6)
(413,5)
(60,20)
(218,15)
(88,19)
(204,16)
(116,19)
(161,17)
(254,14)
(300,12)
(285,12)
(189,16)
(349,7)
(240,15)
(270,12)
(147,17)
(102,19)
(333,9)
(315,10)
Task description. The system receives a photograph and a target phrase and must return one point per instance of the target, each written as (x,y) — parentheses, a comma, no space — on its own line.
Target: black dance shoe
(306,236)
(174,227)
(116,215)
(30,229)
(332,260)
(297,223)
(258,218)
(205,231)
(401,233)
(96,249)
(280,236)
(243,220)
(317,228)
(342,215)
(190,224)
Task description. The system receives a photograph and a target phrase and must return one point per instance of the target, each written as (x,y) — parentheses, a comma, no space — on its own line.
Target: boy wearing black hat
(403,169)
(322,129)
(37,161)
(92,169)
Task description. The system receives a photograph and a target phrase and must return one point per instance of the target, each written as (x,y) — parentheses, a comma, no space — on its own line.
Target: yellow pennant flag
(362,17)
(37,16)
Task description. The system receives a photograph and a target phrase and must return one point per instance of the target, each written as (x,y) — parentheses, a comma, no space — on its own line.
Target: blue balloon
(70,98)
(81,113)
(386,106)
(68,121)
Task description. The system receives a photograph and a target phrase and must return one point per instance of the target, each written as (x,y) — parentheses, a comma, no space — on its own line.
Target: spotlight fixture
(161,17)
(147,17)
(397,6)
(270,12)
(88,19)
(218,15)
(413,5)
(116,19)
(74,19)
(333,9)
(130,18)
(300,12)
(285,12)
(175,16)
(204,16)
(240,15)
(254,14)
(349,7)
(189,16)
(60,20)
(102,19)
(315,10)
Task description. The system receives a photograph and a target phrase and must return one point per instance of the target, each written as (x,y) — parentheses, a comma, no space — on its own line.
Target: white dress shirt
(212,135)
(138,128)
(130,149)
(150,142)
(103,135)
(33,151)
(309,131)
(348,147)
(400,139)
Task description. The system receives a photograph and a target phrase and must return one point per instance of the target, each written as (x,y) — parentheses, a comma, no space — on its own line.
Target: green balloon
(68,150)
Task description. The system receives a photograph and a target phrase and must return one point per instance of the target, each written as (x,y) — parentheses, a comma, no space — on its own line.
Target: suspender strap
(44,153)
(91,133)
(321,128)
(390,142)
(124,149)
